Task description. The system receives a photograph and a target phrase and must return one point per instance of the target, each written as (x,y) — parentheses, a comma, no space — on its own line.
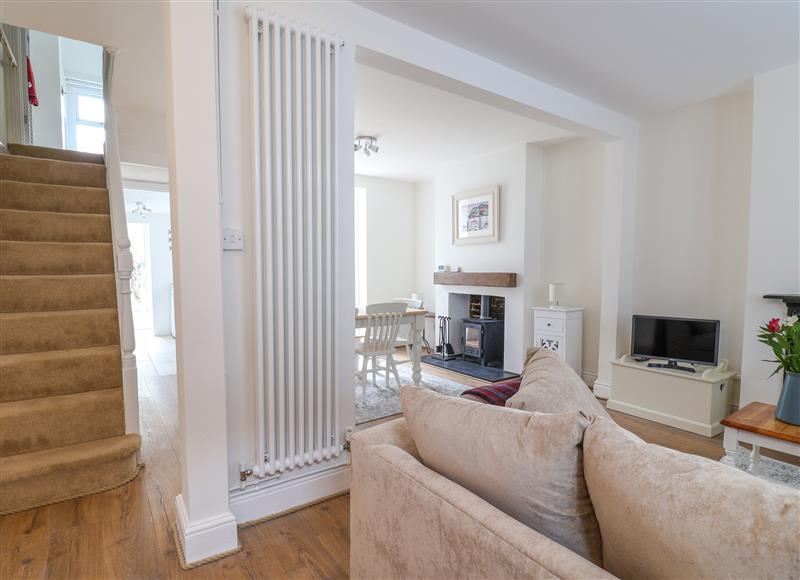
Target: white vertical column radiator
(295,108)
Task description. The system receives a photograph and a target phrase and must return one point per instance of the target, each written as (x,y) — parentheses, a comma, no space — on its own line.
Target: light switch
(232,239)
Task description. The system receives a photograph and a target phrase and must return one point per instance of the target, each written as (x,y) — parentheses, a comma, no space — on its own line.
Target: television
(690,340)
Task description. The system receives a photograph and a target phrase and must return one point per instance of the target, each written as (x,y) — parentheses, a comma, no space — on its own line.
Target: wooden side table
(756,424)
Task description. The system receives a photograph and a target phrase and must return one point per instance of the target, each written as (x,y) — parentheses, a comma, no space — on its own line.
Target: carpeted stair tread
(40,463)
(41,226)
(32,479)
(57,198)
(61,372)
(36,170)
(22,332)
(37,424)
(66,292)
(51,153)
(24,258)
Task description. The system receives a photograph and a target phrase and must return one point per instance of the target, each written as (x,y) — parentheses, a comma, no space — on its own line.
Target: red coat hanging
(32,98)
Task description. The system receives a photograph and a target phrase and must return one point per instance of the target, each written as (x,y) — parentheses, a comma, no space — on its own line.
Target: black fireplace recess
(792,302)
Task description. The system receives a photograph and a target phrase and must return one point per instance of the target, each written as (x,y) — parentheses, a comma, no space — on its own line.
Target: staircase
(62,420)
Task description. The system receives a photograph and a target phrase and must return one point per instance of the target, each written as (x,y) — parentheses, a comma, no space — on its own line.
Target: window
(361,246)
(84,116)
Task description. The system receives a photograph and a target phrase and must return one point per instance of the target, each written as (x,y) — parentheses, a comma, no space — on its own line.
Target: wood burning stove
(482,341)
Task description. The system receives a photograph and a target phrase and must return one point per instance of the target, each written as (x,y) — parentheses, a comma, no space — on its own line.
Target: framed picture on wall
(476,215)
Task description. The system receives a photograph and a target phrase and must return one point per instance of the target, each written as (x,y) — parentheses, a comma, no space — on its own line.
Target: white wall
(572,233)
(507,169)
(773,246)
(691,216)
(424,227)
(45,62)
(142,137)
(391,250)
(81,61)
(550,231)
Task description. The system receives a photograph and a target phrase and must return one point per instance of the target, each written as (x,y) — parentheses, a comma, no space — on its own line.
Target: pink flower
(774,325)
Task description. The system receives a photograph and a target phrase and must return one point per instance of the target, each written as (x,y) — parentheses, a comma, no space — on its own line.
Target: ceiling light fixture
(141,209)
(367,144)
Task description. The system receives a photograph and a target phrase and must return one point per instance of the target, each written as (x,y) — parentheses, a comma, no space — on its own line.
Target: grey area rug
(771,469)
(382,401)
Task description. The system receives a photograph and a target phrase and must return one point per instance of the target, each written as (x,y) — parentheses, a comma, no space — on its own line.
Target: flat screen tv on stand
(688,340)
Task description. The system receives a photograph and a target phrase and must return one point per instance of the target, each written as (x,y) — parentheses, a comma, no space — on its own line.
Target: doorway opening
(416,147)
(148,216)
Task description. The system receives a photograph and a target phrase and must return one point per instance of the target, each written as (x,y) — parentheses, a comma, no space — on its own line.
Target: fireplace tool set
(444,350)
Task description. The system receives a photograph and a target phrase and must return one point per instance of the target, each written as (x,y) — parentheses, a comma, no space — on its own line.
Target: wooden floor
(124,533)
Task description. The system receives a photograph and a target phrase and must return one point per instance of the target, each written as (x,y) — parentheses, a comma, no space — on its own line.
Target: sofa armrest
(407,521)
(390,433)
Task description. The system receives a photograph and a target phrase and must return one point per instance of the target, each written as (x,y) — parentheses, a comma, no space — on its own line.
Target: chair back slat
(384,307)
(381,331)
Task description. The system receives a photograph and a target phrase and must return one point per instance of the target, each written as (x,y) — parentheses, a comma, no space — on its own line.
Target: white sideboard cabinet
(560,329)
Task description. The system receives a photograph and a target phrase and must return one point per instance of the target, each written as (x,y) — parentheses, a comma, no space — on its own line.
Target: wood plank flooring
(124,533)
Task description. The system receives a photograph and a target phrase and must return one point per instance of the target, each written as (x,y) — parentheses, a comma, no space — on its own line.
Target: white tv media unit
(695,402)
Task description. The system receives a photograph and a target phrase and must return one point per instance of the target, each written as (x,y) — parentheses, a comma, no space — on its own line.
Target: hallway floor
(124,533)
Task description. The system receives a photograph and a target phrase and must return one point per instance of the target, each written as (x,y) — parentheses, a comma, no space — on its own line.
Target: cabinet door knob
(548,324)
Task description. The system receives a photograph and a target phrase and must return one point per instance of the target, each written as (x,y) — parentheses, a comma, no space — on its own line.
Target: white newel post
(123,259)
(206,526)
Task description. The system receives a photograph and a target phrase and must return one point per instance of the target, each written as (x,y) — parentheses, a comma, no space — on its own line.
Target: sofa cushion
(549,385)
(526,464)
(666,514)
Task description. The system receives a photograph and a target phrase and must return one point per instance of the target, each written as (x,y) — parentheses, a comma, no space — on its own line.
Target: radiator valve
(244,473)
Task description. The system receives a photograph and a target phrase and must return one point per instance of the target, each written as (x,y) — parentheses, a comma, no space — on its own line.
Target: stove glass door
(472,339)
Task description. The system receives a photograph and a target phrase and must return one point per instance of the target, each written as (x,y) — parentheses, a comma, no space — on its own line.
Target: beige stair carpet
(62,419)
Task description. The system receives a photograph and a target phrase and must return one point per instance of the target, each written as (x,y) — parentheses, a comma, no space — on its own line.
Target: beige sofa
(407,521)
(662,514)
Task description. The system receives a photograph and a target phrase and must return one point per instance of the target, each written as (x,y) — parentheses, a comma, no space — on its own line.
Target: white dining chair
(379,342)
(403,335)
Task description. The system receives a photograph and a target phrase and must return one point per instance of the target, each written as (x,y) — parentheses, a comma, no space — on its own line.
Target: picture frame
(476,216)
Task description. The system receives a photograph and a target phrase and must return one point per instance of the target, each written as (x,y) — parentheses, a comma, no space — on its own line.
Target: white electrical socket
(232,239)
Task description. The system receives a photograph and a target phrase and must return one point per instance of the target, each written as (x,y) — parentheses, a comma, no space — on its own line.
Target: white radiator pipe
(308,341)
(318,331)
(336,253)
(328,252)
(268,266)
(288,102)
(258,274)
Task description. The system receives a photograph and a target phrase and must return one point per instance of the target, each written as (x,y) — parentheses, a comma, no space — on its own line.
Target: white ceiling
(135,28)
(636,58)
(420,128)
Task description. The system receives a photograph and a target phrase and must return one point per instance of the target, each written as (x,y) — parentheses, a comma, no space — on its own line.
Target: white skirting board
(589,377)
(602,389)
(205,538)
(277,494)
(666,419)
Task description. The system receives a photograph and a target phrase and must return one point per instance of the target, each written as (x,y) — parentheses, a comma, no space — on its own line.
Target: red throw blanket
(496,394)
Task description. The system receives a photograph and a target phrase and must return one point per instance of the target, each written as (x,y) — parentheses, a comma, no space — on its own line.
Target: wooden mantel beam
(492,279)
